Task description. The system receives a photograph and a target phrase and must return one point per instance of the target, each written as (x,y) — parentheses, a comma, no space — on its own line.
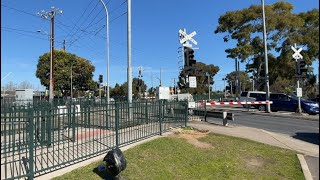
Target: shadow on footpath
(308,137)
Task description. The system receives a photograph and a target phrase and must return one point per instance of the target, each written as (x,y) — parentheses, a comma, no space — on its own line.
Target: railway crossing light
(100,78)
(189,56)
(302,67)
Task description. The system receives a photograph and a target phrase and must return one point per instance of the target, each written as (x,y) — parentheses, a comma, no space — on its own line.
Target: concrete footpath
(302,148)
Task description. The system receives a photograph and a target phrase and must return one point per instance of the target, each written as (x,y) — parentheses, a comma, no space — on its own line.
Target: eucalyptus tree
(284,29)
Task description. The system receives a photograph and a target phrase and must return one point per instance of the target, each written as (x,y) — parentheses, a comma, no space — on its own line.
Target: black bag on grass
(115,162)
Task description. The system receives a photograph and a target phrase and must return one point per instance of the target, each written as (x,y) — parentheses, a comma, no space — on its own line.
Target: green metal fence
(43,137)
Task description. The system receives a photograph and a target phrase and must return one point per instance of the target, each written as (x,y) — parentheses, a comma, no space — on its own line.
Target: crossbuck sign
(296,54)
(187,37)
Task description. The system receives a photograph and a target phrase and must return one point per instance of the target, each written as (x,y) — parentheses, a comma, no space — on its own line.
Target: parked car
(284,102)
(314,100)
(251,96)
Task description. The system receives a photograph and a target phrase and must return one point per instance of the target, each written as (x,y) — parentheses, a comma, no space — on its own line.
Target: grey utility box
(24,97)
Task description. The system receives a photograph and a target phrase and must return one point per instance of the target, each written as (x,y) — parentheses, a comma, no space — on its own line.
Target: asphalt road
(305,130)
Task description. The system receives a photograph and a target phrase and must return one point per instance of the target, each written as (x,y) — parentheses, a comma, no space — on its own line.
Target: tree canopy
(64,64)
(202,72)
(122,90)
(284,29)
(244,81)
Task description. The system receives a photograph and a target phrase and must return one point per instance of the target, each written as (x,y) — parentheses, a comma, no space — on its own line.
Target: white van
(250,96)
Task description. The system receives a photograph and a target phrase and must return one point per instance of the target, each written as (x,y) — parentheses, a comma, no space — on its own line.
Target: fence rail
(42,137)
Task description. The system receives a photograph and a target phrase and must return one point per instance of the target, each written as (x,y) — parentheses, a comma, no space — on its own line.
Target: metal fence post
(160,116)
(205,111)
(146,111)
(186,115)
(117,123)
(73,123)
(31,144)
(49,121)
(107,116)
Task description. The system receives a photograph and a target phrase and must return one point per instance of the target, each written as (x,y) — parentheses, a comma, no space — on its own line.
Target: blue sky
(155,26)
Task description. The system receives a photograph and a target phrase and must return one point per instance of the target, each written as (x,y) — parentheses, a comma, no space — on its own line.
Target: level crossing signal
(301,67)
(100,78)
(189,56)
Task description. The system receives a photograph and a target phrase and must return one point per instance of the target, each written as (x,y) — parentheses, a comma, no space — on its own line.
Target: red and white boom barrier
(235,103)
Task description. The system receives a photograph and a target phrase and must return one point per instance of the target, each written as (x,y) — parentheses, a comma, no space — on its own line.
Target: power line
(79,18)
(17,31)
(57,21)
(31,14)
(79,36)
(110,22)
(84,21)
(90,24)
(20,10)
(14,29)
(85,31)
(111,12)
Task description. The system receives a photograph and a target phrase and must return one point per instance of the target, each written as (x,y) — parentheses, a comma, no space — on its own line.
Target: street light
(265,57)
(159,80)
(108,65)
(71,90)
(45,33)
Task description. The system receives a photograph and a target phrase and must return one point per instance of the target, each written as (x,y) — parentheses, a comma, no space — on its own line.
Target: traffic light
(100,78)
(188,56)
(301,67)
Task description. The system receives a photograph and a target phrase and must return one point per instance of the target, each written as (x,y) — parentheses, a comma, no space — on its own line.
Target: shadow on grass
(308,137)
(103,175)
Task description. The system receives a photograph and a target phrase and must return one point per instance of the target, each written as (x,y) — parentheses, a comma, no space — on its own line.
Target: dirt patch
(254,162)
(192,137)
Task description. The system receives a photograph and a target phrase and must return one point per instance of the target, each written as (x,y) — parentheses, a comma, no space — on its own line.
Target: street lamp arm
(108,61)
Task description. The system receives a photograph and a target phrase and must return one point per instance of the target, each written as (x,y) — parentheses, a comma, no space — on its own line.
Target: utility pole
(64,45)
(47,15)
(151,79)
(129,71)
(252,84)
(231,91)
(239,78)
(209,86)
(139,78)
(160,78)
(265,58)
(174,85)
(237,83)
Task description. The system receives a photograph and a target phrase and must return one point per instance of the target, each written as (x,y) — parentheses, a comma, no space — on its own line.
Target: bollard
(224,118)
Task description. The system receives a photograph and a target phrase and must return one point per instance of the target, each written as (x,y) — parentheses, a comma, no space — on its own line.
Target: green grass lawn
(223,157)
